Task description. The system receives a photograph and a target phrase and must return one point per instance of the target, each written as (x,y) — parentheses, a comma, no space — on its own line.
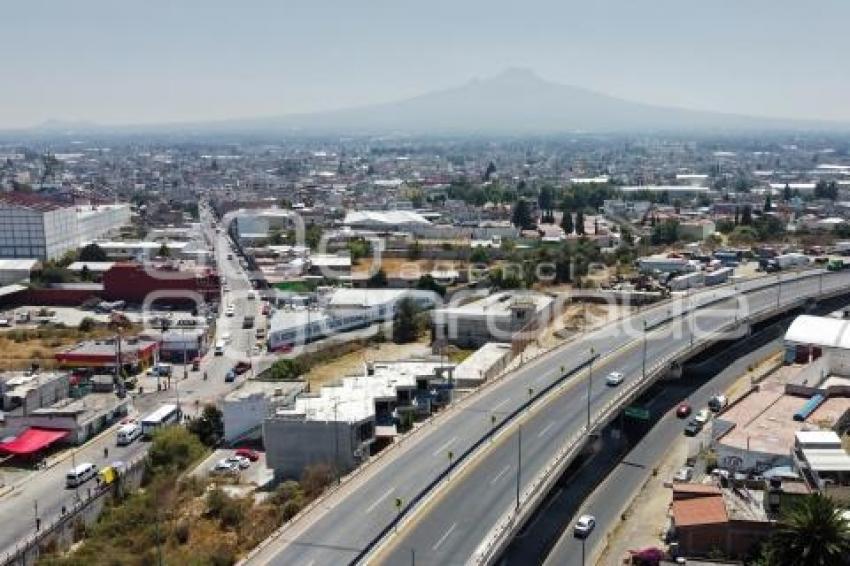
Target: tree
(786,193)
(824,190)
(405,329)
(812,533)
(479,255)
(546,200)
(173,449)
(567,222)
(521,217)
(285,370)
(378,280)
(87,324)
(428,283)
(209,427)
(414,250)
(92,252)
(747,216)
(164,251)
(580,222)
(665,233)
(724,226)
(491,168)
(768,203)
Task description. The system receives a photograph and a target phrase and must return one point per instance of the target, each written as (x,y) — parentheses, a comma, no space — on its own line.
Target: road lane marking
(444,537)
(500,474)
(500,404)
(370,508)
(545,429)
(444,446)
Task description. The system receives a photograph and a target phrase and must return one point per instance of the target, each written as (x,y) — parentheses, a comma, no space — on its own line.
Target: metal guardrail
(513,518)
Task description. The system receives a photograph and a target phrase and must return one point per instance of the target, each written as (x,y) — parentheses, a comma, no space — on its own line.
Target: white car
(584,526)
(231,310)
(702,416)
(684,474)
(241,462)
(615,378)
(225,467)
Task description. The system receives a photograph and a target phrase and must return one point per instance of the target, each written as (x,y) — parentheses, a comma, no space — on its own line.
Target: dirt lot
(20,348)
(352,363)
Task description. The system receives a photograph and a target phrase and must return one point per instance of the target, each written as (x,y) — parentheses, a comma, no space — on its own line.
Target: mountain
(518,102)
(514,102)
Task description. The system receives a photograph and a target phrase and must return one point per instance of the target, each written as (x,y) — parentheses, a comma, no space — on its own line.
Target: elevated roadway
(459,512)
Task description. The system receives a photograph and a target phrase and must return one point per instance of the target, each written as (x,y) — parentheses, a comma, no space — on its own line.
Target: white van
(219,348)
(128,433)
(81,474)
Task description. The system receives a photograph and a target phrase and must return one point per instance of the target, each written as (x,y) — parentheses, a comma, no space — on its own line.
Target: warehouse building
(32,226)
(495,318)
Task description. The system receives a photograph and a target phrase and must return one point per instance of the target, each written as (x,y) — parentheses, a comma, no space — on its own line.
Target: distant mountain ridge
(514,102)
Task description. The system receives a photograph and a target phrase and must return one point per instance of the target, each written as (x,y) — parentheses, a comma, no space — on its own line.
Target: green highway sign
(637,413)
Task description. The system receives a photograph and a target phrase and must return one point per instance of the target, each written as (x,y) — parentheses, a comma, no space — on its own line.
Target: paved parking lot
(255,476)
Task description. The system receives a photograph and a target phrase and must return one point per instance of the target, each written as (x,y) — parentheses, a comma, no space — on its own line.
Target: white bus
(165,415)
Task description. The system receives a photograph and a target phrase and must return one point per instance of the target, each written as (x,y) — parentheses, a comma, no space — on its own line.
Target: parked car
(239,461)
(231,310)
(584,526)
(230,377)
(241,367)
(684,474)
(683,410)
(248,453)
(702,416)
(224,467)
(693,427)
(615,378)
(718,403)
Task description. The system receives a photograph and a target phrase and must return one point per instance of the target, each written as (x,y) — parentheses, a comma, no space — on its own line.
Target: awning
(32,440)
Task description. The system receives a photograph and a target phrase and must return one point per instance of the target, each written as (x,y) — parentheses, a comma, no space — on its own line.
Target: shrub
(174,448)
(290,509)
(87,324)
(182,532)
(315,479)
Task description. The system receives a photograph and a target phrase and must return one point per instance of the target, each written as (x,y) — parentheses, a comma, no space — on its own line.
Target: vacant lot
(19,348)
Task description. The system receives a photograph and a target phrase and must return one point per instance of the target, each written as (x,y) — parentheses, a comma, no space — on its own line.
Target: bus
(165,415)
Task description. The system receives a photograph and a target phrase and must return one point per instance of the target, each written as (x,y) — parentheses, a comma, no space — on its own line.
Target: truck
(248,321)
(790,260)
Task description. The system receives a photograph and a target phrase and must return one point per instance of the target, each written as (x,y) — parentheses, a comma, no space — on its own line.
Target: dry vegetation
(193,519)
(20,348)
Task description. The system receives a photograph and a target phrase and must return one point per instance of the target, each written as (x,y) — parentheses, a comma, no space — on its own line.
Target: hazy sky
(123,62)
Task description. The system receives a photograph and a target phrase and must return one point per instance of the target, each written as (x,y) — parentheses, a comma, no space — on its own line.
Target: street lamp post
(643,365)
(589,387)
(778,288)
(519,462)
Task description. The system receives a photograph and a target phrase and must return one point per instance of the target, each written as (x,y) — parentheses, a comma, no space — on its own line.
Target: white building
(245,408)
(17,270)
(35,227)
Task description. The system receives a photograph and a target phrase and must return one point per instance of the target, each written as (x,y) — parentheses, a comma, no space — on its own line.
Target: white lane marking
(500,404)
(444,537)
(545,429)
(499,475)
(377,502)
(444,446)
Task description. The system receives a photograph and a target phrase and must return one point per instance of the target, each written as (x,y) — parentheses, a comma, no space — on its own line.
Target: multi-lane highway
(44,491)
(451,526)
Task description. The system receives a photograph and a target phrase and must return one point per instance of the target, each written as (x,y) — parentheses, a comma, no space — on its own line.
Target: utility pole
(336,441)
(643,365)
(519,462)
(589,388)
(778,288)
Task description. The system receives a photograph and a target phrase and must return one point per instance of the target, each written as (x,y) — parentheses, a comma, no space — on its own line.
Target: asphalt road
(607,501)
(45,489)
(450,527)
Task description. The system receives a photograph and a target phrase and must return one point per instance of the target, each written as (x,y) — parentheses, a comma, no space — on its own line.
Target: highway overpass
(457,509)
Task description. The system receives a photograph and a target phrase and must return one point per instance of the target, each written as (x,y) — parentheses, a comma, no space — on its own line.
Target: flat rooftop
(498,304)
(271,389)
(764,419)
(479,362)
(352,399)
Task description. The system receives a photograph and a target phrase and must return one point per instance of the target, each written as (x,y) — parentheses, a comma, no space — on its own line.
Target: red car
(241,367)
(683,410)
(247,453)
